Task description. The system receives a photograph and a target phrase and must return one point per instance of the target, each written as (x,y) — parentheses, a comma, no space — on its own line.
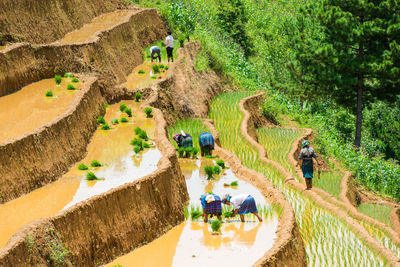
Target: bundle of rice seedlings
(122,107)
(114,121)
(49,93)
(83,167)
(209,170)
(71,87)
(105,127)
(75,80)
(57,79)
(95,163)
(138,96)
(68,75)
(91,176)
(141,72)
(124,120)
(128,111)
(216,170)
(216,225)
(101,120)
(221,163)
(195,214)
(235,183)
(148,112)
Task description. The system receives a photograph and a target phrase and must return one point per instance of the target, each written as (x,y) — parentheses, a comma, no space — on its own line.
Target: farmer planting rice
(169,43)
(183,139)
(155,52)
(242,204)
(307,155)
(211,206)
(206,141)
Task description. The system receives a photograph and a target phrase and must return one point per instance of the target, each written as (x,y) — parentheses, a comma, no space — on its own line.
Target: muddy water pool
(111,148)
(141,80)
(192,243)
(29,108)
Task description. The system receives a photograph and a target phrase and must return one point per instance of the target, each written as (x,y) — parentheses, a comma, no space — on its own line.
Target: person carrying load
(211,206)
(155,52)
(242,204)
(183,139)
(206,141)
(307,155)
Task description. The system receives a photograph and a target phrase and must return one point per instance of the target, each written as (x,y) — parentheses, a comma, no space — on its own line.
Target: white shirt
(169,41)
(236,201)
(153,47)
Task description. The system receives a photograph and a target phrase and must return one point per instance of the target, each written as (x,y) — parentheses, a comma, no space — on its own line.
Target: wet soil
(192,243)
(29,108)
(137,80)
(110,148)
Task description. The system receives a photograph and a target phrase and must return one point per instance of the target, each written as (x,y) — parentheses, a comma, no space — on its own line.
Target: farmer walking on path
(242,204)
(206,141)
(307,155)
(169,43)
(211,206)
(155,52)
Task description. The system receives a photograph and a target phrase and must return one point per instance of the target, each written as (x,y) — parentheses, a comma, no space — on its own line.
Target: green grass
(58,79)
(376,211)
(95,163)
(83,167)
(71,87)
(101,120)
(49,93)
(146,50)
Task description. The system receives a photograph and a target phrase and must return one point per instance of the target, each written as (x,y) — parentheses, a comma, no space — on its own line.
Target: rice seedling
(156,69)
(75,80)
(161,66)
(49,93)
(209,170)
(188,152)
(220,163)
(68,75)
(138,96)
(166,67)
(153,77)
(235,183)
(124,120)
(143,135)
(195,214)
(211,157)
(71,87)
(195,151)
(137,149)
(105,127)
(376,211)
(186,212)
(122,107)
(137,130)
(95,163)
(148,112)
(114,121)
(141,71)
(216,170)
(137,142)
(216,225)
(106,105)
(181,152)
(58,79)
(128,112)
(146,145)
(227,214)
(329,182)
(83,167)
(90,176)
(101,120)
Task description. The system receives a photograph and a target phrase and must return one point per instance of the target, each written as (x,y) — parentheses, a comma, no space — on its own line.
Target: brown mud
(136,80)
(319,196)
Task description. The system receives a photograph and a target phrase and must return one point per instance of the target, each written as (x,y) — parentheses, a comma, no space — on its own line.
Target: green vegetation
(58,79)
(188,152)
(124,120)
(221,163)
(128,112)
(209,170)
(148,112)
(195,152)
(141,72)
(166,68)
(156,69)
(30,244)
(329,182)
(49,93)
(161,66)
(235,183)
(216,225)
(68,75)
(90,176)
(195,214)
(114,121)
(137,149)
(83,167)
(217,170)
(95,163)
(202,61)
(101,120)
(59,254)
(71,87)
(106,105)
(153,77)
(181,152)
(75,80)
(146,50)
(137,130)
(181,40)
(122,107)
(376,211)
(138,96)
(227,214)
(143,135)
(105,127)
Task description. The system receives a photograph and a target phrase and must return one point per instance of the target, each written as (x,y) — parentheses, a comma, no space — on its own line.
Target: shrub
(114,121)
(195,151)
(71,87)
(235,183)
(137,149)
(101,120)
(221,163)
(138,96)
(143,135)
(216,225)
(181,152)
(156,69)
(57,79)
(95,163)
(83,167)
(105,127)
(209,170)
(49,93)
(217,170)
(122,107)
(91,176)
(124,120)
(137,130)
(68,75)
(195,214)
(148,112)
(75,80)
(141,72)
(128,112)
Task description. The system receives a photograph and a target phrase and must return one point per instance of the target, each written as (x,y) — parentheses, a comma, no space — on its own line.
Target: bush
(221,163)
(137,149)
(148,112)
(68,75)
(156,69)
(105,127)
(83,167)
(235,183)
(91,176)
(143,135)
(101,120)
(128,112)
(49,93)
(141,72)
(71,87)
(122,107)
(195,214)
(124,120)
(95,163)
(209,170)
(216,225)
(75,80)
(58,79)
(138,96)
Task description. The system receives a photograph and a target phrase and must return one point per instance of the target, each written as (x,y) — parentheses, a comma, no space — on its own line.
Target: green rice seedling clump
(138,96)
(137,130)
(122,107)
(128,112)
(58,79)
(141,72)
(235,183)
(114,121)
(105,127)
(227,214)
(166,68)
(148,112)
(153,77)
(91,176)
(195,214)
(211,157)
(137,149)
(68,75)
(143,135)
(106,105)
(209,170)
(137,142)
(95,163)
(71,87)
(188,152)
(216,225)
(161,66)
(49,93)
(181,152)
(195,151)
(124,120)
(146,145)
(221,163)
(156,69)
(75,80)
(216,170)
(101,120)
(83,167)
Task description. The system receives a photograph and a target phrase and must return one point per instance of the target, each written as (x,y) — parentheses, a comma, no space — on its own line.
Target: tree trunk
(360,88)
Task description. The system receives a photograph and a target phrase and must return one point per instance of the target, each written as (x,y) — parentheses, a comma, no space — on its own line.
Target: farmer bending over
(307,155)
(206,141)
(183,139)
(242,204)
(155,52)
(211,206)
(169,43)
